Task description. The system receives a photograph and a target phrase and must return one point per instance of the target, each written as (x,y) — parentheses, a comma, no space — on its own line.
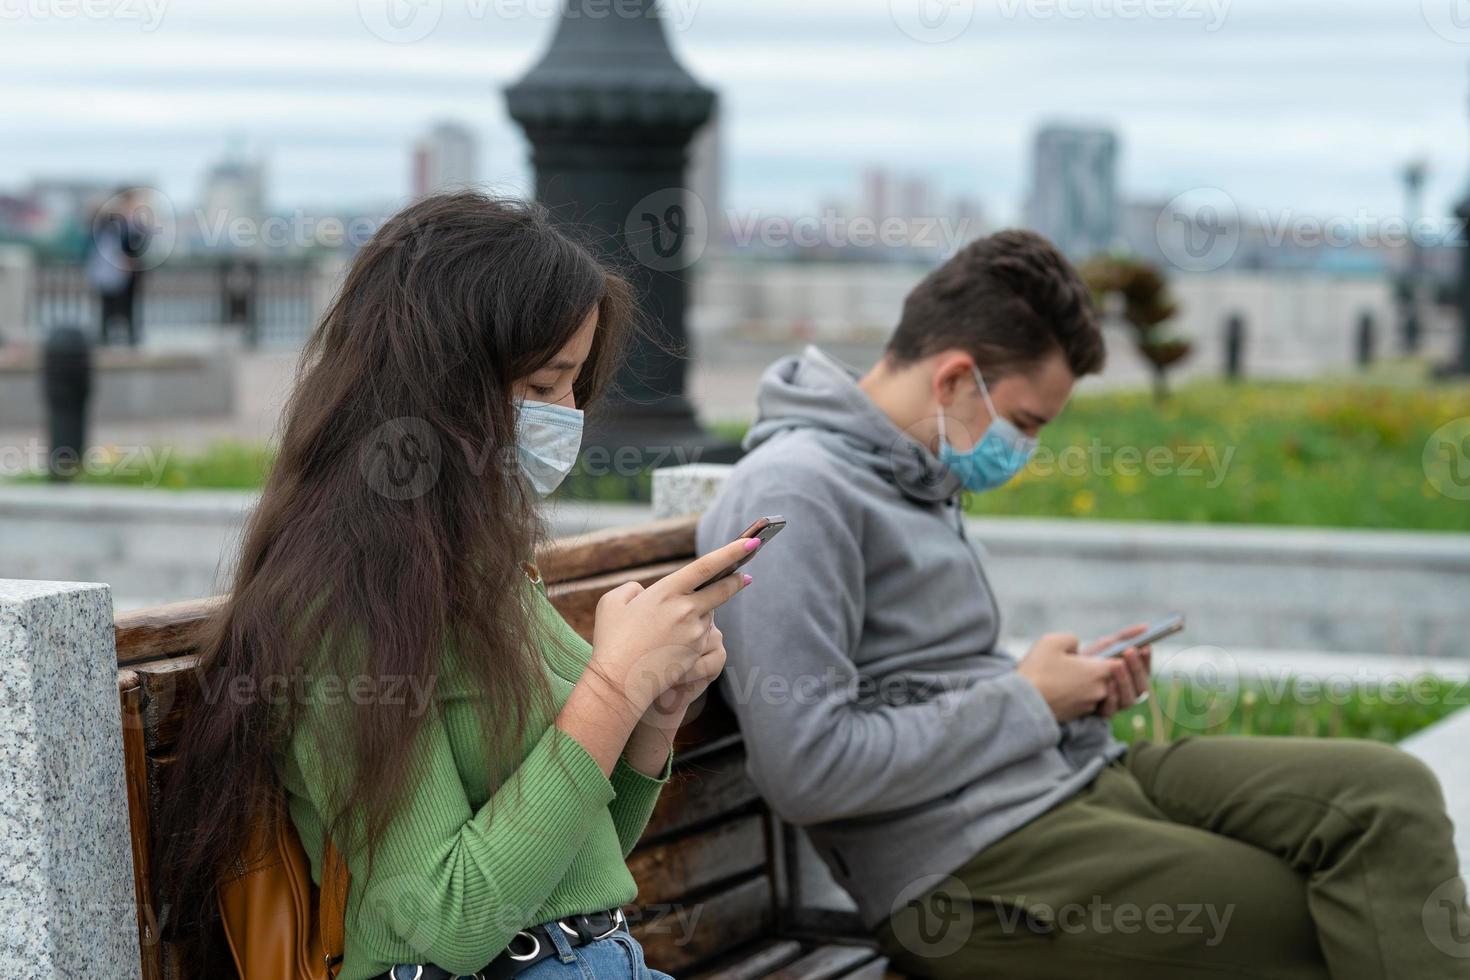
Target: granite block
(67,905)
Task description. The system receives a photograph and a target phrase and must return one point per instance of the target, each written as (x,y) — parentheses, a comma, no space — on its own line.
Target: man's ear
(952,369)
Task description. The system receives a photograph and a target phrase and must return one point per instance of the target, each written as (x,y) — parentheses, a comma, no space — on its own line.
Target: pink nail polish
(752,543)
(747,579)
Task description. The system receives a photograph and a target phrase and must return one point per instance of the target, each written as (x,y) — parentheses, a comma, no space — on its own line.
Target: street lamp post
(1461,365)
(1413,274)
(610,114)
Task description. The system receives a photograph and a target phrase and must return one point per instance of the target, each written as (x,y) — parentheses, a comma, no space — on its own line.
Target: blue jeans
(618,957)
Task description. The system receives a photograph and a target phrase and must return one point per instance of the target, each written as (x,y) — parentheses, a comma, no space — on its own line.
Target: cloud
(1309,104)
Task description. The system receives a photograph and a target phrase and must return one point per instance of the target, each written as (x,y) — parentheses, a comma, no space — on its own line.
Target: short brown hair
(1010,300)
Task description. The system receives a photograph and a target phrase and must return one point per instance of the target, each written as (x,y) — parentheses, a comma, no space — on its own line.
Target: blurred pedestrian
(120,237)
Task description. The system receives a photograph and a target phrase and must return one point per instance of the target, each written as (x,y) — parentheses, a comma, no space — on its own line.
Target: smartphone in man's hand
(1155,632)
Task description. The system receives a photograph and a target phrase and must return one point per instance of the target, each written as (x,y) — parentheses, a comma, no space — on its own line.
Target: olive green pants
(1211,857)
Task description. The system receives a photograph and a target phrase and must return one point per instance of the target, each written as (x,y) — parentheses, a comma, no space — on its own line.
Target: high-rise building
(967,218)
(444,160)
(916,198)
(878,195)
(1074,189)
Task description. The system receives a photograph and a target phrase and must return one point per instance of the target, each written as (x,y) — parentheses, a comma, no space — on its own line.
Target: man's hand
(1129,683)
(1073,686)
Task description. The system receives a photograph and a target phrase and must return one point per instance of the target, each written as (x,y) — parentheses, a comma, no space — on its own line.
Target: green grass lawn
(1293,706)
(1324,454)
(223,466)
(1328,453)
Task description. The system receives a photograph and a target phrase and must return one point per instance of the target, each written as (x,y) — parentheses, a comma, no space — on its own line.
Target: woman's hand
(647,640)
(668,709)
(652,740)
(649,643)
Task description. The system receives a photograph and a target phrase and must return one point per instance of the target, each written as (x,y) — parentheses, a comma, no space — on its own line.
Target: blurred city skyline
(1312,107)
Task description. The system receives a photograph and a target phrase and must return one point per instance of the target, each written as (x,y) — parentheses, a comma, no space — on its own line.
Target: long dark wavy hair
(394,515)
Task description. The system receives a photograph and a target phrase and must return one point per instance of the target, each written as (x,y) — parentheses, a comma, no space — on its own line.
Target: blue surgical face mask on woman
(1001,453)
(548,438)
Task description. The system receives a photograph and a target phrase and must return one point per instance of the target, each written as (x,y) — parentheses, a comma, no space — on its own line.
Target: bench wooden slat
(671,871)
(583,555)
(754,964)
(168,688)
(135,774)
(826,963)
(161,631)
(701,790)
(876,970)
(680,938)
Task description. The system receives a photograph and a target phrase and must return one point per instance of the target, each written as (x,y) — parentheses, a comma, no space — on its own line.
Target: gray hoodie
(876,709)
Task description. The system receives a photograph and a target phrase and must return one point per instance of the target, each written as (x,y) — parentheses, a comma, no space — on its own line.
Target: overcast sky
(1286,104)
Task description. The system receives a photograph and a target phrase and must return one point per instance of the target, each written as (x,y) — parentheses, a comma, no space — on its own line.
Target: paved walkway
(1445,748)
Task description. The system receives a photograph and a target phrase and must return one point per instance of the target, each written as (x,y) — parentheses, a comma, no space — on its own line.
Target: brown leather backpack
(279,925)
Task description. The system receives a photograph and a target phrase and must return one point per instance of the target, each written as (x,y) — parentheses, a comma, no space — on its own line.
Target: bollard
(1234,346)
(66,384)
(238,284)
(1367,339)
(1406,293)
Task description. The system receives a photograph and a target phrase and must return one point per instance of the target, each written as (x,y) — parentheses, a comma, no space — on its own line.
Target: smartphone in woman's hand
(765,529)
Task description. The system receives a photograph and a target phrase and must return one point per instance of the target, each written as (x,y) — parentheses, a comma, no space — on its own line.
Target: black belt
(527,948)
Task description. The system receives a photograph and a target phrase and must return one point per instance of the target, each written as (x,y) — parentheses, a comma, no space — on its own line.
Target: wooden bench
(715,881)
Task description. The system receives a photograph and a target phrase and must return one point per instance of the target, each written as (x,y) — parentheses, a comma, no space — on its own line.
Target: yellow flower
(1083,502)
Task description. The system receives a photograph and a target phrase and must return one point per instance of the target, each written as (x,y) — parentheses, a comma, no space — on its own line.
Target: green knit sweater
(469,861)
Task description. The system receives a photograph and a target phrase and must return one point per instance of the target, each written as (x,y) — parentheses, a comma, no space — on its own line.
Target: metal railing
(270,301)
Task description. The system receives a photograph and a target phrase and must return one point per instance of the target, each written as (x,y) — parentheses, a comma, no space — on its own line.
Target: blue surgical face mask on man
(548,438)
(1001,453)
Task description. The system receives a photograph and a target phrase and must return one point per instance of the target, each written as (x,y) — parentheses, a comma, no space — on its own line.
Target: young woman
(387,663)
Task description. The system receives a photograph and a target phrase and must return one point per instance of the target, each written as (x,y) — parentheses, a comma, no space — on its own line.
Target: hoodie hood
(815,391)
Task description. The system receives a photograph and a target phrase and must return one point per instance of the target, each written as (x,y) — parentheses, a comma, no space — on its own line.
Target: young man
(977,809)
